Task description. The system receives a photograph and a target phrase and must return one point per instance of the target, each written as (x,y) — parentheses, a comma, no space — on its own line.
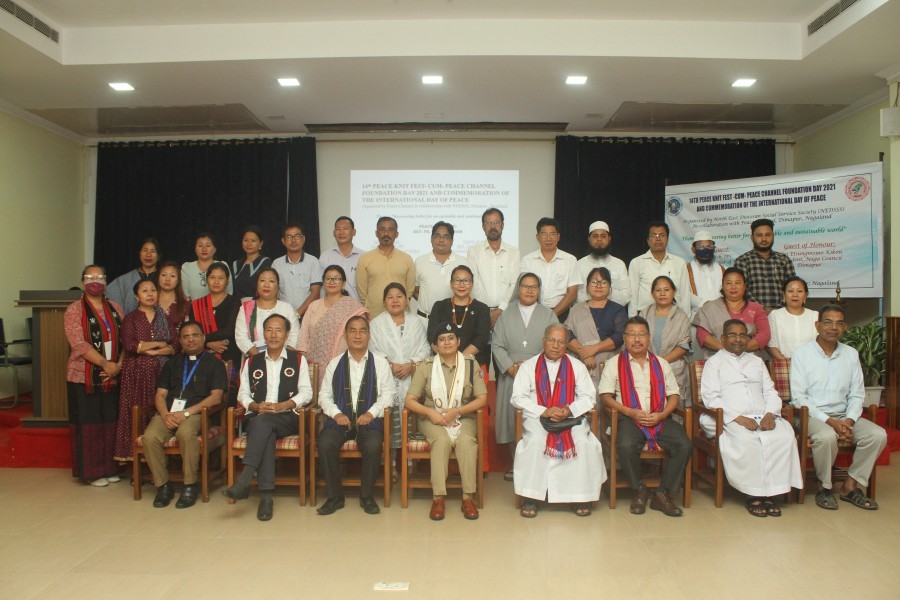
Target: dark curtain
(622,181)
(174,190)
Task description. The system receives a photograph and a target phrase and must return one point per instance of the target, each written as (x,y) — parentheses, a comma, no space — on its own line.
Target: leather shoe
(264,512)
(469,509)
(188,496)
(664,504)
(164,495)
(238,491)
(437,510)
(639,500)
(331,505)
(369,505)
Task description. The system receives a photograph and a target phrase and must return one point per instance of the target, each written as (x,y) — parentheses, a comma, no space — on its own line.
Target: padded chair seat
(418,446)
(290,442)
(212,434)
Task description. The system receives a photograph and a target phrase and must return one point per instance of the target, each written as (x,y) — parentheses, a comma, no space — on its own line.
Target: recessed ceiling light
(122,87)
(743,82)
(576,80)
(289,82)
(432,79)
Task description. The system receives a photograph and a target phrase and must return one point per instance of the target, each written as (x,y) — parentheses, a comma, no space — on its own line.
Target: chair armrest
(519,431)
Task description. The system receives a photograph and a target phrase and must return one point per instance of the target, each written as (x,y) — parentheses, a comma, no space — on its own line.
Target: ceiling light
(576,80)
(743,82)
(122,87)
(432,79)
(289,82)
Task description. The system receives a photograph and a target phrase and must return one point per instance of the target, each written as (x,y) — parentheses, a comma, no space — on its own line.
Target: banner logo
(857,189)
(674,205)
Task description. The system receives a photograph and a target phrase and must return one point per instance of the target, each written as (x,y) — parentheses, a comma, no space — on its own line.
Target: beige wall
(42,225)
(855,140)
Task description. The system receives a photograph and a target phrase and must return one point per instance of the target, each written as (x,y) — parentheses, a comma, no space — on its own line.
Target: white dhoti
(539,476)
(759,463)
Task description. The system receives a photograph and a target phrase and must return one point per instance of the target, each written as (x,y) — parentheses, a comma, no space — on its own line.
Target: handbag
(551,426)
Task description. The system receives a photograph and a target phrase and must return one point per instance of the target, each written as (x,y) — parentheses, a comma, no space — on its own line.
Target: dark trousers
(330,442)
(630,441)
(262,432)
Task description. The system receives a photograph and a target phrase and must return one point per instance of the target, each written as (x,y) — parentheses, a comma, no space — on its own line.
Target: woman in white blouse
(248,329)
(794,324)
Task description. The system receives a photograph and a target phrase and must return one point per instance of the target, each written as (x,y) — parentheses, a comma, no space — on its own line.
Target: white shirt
(708,281)
(524,392)
(295,278)
(739,385)
(557,275)
(644,269)
(609,380)
(357,370)
(433,279)
(827,385)
(621,285)
(273,379)
(348,263)
(242,335)
(789,332)
(495,273)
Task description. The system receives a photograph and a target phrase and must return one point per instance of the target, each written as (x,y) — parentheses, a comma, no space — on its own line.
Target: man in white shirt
(653,263)
(556,268)
(433,269)
(356,388)
(494,264)
(704,273)
(599,239)
(299,273)
(274,384)
(345,254)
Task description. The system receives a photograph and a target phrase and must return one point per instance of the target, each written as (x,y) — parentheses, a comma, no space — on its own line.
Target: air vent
(29,19)
(829,15)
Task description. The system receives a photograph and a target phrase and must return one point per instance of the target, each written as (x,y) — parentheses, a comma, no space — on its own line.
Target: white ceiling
(360,61)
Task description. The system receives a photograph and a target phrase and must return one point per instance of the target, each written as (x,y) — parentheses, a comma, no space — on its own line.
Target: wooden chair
(288,448)
(595,420)
(420,450)
(14,362)
(212,439)
(350,450)
(780,372)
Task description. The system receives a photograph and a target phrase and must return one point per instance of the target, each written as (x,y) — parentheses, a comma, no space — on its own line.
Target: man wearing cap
(599,239)
(705,275)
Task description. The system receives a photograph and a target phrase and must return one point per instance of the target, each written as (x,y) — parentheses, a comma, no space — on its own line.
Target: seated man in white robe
(759,452)
(564,466)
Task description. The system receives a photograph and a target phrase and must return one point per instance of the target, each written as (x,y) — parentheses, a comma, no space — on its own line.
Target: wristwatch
(186,414)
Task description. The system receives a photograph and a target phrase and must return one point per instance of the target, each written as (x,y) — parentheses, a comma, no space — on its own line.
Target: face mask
(705,253)
(94,288)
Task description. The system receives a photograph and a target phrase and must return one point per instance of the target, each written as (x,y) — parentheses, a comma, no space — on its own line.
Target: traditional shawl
(657,393)
(204,312)
(712,317)
(559,445)
(677,331)
(412,345)
(445,399)
(368,393)
(288,383)
(326,333)
(97,335)
(582,325)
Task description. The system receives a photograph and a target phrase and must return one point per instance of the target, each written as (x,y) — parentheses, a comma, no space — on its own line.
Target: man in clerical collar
(561,466)
(274,384)
(758,448)
(446,392)
(187,383)
(642,388)
(356,388)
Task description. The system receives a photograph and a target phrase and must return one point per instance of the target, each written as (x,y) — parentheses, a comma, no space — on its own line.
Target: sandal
(508,476)
(583,510)
(772,509)
(857,498)
(756,507)
(824,499)
(529,510)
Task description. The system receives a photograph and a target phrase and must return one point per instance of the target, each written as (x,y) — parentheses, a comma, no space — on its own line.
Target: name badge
(107,350)
(178,404)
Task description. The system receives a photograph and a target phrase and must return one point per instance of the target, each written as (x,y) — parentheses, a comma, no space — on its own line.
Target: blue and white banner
(829,222)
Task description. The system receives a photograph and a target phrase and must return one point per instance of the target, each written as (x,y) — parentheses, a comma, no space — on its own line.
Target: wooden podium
(892,368)
(51,352)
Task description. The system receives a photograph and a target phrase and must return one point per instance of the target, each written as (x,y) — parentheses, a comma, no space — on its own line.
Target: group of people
(560,332)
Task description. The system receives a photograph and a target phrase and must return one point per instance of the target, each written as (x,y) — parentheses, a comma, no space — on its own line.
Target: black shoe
(164,495)
(264,512)
(369,505)
(188,496)
(331,505)
(238,491)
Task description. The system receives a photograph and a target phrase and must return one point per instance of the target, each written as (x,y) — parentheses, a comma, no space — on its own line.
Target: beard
(760,248)
(600,252)
(493,235)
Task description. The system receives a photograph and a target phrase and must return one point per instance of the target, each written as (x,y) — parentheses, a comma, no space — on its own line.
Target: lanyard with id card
(179,403)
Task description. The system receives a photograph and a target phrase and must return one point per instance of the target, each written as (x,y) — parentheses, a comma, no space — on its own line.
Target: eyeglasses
(92,278)
(293,236)
(658,236)
(333,279)
(598,283)
(491,223)
(530,288)
(637,336)
(737,336)
(458,281)
(443,237)
(548,234)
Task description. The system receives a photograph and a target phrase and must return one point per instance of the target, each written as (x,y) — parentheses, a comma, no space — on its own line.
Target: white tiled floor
(60,539)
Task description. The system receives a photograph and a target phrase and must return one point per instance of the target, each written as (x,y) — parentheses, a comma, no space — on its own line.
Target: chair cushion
(418,446)
(213,433)
(290,442)
(781,377)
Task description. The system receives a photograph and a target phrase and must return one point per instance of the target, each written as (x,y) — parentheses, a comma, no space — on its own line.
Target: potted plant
(869,341)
